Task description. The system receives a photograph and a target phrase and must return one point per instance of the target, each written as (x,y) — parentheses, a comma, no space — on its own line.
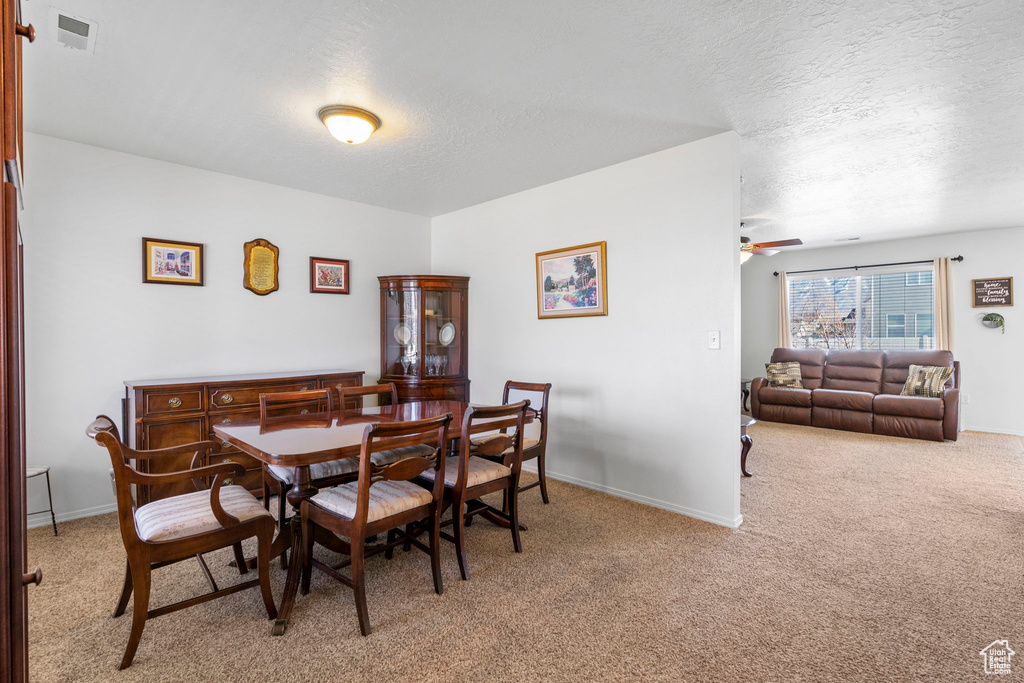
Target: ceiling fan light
(745,256)
(350,125)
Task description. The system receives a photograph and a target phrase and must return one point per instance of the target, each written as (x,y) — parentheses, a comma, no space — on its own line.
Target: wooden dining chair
(348,394)
(383,498)
(470,475)
(278,479)
(180,527)
(535,437)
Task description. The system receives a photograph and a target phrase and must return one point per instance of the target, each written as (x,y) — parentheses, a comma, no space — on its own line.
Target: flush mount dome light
(350,125)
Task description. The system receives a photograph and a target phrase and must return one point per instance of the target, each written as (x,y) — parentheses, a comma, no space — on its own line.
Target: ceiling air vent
(77,33)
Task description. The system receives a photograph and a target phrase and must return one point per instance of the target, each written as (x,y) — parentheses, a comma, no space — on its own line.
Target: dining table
(302,440)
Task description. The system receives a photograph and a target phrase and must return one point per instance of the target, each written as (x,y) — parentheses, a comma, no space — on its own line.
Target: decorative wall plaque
(260,267)
(994,291)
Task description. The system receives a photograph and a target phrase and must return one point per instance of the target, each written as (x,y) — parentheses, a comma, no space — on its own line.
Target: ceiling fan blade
(779,243)
(764,252)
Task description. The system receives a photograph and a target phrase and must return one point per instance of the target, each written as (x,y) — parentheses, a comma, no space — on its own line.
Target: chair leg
(263,542)
(459,527)
(542,475)
(266,491)
(308,533)
(49,498)
(358,548)
(243,566)
(435,551)
(390,552)
(513,511)
(140,610)
(126,591)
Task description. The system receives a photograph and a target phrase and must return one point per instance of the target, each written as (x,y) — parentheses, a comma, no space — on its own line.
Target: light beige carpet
(861,558)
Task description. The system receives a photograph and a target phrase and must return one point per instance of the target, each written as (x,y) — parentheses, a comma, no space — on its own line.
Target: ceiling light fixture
(350,125)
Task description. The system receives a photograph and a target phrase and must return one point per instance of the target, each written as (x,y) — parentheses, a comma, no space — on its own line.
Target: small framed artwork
(572,282)
(328,275)
(170,262)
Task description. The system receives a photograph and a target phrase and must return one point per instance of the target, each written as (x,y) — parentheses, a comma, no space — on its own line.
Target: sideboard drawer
(253,477)
(434,392)
(172,401)
(229,397)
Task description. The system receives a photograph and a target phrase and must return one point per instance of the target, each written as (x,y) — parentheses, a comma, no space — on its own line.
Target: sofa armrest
(951,413)
(755,402)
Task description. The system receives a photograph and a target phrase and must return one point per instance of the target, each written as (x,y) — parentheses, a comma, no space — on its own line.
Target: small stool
(35,472)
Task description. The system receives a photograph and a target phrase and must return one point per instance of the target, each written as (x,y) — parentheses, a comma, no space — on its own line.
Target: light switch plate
(715,339)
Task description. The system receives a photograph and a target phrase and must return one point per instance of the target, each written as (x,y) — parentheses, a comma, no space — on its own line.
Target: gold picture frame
(573,282)
(172,262)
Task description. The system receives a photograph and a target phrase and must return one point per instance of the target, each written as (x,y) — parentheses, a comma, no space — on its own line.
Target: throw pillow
(926,380)
(784,375)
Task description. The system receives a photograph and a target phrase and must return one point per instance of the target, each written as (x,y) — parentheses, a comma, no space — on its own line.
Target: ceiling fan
(748,249)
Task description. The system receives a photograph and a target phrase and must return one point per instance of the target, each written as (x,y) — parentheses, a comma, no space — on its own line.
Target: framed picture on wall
(171,262)
(572,282)
(328,275)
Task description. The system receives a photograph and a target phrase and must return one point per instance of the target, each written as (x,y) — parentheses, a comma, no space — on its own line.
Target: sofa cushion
(849,370)
(909,406)
(783,375)
(897,367)
(844,400)
(785,397)
(812,364)
(926,380)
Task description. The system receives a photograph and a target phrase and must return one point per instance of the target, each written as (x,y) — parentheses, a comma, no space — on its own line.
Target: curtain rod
(958,259)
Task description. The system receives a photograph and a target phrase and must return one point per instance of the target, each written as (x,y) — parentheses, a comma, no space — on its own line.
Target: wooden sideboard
(159,413)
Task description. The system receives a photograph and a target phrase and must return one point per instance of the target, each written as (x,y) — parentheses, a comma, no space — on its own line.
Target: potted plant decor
(994,320)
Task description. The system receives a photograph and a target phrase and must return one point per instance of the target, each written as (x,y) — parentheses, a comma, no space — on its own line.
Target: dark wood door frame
(13,558)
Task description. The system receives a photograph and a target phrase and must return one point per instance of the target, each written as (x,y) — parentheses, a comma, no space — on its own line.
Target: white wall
(91,323)
(640,406)
(987,358)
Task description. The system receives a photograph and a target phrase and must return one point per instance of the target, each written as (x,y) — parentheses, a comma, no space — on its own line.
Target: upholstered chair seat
(478,441)
(189,514)
(320,470)
(480,471)
(386,498)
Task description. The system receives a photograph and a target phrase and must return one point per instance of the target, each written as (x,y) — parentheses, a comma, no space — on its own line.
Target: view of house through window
(863,309)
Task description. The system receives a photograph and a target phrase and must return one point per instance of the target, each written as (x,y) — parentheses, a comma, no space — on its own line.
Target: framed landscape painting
(572,282)
(328,275)
(170,262)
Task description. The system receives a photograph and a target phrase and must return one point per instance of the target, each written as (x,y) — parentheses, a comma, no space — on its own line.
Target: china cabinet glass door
(442,337)
(402,329)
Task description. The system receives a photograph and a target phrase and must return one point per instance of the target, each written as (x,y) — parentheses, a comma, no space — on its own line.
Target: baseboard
(644,500)
(43,518)
(1010,432)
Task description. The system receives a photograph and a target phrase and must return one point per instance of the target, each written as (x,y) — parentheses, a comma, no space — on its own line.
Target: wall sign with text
(260,275)
(993,291)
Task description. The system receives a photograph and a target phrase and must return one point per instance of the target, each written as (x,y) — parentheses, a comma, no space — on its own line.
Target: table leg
(746,395)
(747,444)
(300,491)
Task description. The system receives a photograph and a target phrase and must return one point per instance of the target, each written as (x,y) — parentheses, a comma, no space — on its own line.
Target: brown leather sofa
(860,391)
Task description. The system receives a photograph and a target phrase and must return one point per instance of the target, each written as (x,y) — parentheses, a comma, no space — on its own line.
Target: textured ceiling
(873,119)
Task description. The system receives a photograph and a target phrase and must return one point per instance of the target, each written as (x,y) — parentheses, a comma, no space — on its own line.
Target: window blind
(884,308)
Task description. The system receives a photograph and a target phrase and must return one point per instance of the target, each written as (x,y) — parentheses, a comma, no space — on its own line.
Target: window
(896,325)
(920,278)
(880,308)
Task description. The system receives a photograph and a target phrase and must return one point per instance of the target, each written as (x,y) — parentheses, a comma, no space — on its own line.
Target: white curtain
(785,335)
(943,304)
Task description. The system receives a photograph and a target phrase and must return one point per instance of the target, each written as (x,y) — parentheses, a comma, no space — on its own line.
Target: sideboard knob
(174,402)
(227,398)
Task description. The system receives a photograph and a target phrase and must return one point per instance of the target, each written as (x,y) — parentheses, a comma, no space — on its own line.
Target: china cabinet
(423,336)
